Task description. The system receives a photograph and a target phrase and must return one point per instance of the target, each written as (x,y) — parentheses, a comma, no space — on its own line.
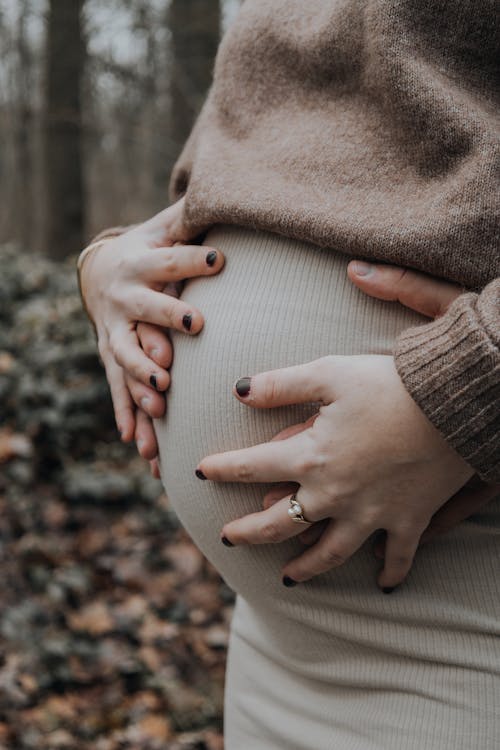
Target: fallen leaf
(7,362)
(13,445)
(95,619)
(154,727)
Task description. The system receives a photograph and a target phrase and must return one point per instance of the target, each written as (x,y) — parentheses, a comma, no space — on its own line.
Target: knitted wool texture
(371,127)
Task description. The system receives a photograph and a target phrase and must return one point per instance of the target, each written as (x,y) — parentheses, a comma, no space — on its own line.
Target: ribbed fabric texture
(332,664)
(451,367)
(371,127)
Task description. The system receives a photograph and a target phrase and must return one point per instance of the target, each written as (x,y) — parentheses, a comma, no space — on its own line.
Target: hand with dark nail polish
(211,258)
(243,386)
(187,321)
(200,474)
(288,582)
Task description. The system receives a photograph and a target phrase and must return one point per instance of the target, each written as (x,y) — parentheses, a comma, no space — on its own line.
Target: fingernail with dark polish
(289,582)
(187,321)
(200,474)
(243,386)
(152,380)
(388,589)
(226,541)
(211,258)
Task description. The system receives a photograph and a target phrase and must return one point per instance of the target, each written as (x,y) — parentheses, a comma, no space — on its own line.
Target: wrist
(84,266)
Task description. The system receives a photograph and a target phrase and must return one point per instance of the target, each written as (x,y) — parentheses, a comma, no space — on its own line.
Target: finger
(167,264)
(151,402)
(290,385)
(425,294)
(400,548)
(155,343)
(277,461)
(145,437)
(163,310)
(338,542)
(266,527)
(463,504)
(284,489)
(126,350)
(155,468)
(278,492)
(123,406)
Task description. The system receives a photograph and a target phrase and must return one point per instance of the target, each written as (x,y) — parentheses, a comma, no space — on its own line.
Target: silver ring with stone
(295,511)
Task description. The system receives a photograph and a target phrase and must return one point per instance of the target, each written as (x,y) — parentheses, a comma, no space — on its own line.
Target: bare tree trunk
(195,27)
(25,218)
(63,128)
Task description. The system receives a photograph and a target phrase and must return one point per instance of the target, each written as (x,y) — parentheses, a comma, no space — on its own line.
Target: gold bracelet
(86,252)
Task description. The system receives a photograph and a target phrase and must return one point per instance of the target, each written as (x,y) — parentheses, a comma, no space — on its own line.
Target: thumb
(424,294)
(169,226)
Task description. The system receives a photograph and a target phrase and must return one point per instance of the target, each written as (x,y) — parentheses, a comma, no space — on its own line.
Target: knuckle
(370,518)
(270,389)
(271,532)
(333,557)
(311,461)
(243,472)
(127,266)
(171,264)
(170,305)
(408,527)
(139,305)
(116,295)
(114,346)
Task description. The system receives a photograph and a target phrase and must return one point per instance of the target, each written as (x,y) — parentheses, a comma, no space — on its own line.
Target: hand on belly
(368,460)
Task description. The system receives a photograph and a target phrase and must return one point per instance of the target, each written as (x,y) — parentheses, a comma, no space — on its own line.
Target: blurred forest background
(96,100)
(113,627)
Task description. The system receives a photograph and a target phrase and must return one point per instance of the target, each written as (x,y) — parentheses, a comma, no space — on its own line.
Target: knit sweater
(371,127)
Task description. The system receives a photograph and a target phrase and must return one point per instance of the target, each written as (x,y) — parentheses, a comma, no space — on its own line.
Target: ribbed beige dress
(332,664)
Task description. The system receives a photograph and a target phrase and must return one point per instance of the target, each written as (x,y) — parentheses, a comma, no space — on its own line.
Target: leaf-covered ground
(113,627)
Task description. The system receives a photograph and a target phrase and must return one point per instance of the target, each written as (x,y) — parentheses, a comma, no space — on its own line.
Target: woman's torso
(280,302)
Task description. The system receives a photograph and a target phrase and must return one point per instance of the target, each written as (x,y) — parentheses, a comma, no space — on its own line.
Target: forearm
(451,368)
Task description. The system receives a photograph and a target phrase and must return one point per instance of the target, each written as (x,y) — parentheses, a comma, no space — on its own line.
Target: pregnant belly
(277,302)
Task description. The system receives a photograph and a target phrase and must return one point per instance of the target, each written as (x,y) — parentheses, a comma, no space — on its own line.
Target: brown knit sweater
(371,127)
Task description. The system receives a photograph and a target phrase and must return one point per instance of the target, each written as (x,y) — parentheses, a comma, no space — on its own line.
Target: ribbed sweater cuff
(451,368)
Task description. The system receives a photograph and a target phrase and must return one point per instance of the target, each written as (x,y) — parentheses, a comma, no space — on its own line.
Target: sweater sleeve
(451,368)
